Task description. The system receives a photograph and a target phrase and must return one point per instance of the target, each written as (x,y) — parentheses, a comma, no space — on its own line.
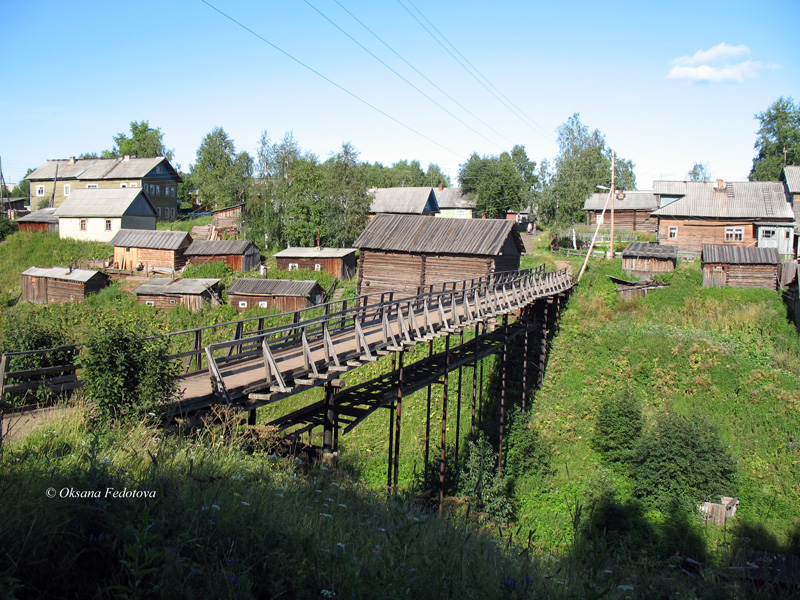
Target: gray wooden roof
(102,168)
(791,175)
(738,255)
(144,238)
(632,200)
(106,203)
(647,250)
(738,200)
(165,286)
(454,198)
(43,215)
(427,235)
(274,287)
(315,252)
(220,247)
(403,200)
(81,275)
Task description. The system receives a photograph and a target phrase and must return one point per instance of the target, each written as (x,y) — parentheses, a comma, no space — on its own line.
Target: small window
(123,185)
(127,249)
(149,303)
(40,190)
(172,301)
(242,303)
(134,184)
(83,224)
(262,304)
(317,267)
(767,234)
(91,186)
(108,224)
(72,296)
(293,266)
(673,233)
(734,234)
(158,210)
(67,189)
(158,190)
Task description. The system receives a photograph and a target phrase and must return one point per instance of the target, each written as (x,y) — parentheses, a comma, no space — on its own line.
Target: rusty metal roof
(274,287)
(220,247)
(82,275)
(647,250)
(143,238)
(738,255)
(428,235)
(737,200)
(403,200)
(162,286)
(315,252)
(631,200)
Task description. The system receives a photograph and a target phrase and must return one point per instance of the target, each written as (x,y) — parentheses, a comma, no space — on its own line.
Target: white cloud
(716,65)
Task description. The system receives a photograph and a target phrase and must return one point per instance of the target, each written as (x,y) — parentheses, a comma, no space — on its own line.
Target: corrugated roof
(218,247)
(647,250)
(738,255)
(421,234)
(43,215)
(454,198)
(632,200)
(106,203)
(273,287)
(82,275)
(144,238)
(669,188)
(403,200)
(791,175)
(738,200)
(315,252)
(166,286)
(101,168)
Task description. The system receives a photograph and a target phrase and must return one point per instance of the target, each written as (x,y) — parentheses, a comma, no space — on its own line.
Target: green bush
(618,427)
(683,458)
(480,482)
(528,454)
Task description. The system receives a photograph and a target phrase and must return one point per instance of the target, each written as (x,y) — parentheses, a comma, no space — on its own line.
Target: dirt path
(16,426)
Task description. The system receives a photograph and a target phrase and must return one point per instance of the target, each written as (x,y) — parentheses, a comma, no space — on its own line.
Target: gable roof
(99,202)
(314,252)
(791,175)
(161,286)
(454,198)
(403,200)
(63,273)
(273,287)
(219,247)
(421,234)
(738,200)
(43,215)
(102,168)
(145,238)
(739,255)
(647,250)
(630,200)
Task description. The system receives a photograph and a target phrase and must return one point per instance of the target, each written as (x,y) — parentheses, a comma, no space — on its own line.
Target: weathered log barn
(740,267)
(165,293)
(42,220)
(402,251)
(404,201)
(749,213)
(158,250)
(227,220)
(339,262)
(632,211)
(643,259)
(47,285)
(284,294)
(239,255)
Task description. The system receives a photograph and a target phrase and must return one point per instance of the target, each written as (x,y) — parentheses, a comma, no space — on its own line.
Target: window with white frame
(262,304)
(293,266)
(123,185)
(40,190)
(83,225)
(242,303)
(67,189)
(734,234)
(317,267)
(108,224)
(767,234)
(149,303)
(158,190)
(91,186)
(673,232)
(158,210)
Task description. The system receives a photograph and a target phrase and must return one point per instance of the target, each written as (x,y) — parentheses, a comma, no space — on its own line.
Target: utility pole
(613,193)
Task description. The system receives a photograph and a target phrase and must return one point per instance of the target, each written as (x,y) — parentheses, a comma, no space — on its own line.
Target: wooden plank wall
(693,234)
(626,220)
(644,267)
(334,266)
(452,268)
(149,257)
(191,301)
(282,303)
(385,271)
(741,276)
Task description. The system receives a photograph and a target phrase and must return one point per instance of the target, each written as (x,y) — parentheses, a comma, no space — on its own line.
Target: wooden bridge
(261,360)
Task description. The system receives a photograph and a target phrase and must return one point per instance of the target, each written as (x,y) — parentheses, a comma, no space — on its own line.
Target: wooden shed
(632,210)
(284,294)
(46,285)
(227,220)
(42,220)
(405,251)
(150,250)
(339,262)
(165,293)
(643,259)
(736,266)
(239,255)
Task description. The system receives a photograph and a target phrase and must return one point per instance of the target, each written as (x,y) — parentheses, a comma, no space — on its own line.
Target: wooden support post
(475,378)
(443,455)
(397,419)
(329,423)
(251,417)
(458,400)
(504,369)
(543,343)
(525,316)
(389,461)
(428,415)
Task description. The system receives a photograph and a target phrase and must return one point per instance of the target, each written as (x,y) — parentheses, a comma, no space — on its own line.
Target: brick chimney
(720,184)
(71,160)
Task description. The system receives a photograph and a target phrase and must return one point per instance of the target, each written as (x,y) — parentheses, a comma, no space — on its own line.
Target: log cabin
(48,285)
(643,260)
(339,262)
(282,294)
(741,267)
(165,293)
(632,211)
(42,221)
(240,255)
(158,250)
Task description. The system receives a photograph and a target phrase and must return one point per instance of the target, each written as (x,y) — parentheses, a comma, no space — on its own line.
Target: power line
(318,74)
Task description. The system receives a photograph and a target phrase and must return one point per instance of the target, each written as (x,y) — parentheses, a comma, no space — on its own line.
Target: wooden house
(405,251)
(239,255)
(454,203)
(643,259)
(42,220)
(150,250)
(47,285)
(632,211)
(741,267)
(790,176)
(750,213)
(227,221)
(98,214)
(155,176)
(165,293)
(339,262)
(283,294)
(404,201)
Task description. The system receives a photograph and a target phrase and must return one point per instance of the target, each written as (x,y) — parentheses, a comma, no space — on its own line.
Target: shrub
(618,427)
(126,374)
(480,481)
(528,454)
(683,458)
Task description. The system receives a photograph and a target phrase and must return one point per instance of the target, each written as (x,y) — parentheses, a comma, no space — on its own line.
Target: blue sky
(668,84)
